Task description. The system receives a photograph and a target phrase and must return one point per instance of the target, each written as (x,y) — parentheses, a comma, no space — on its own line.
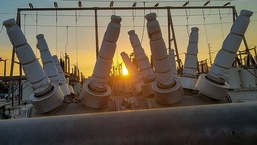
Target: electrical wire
(187,17)
(67,38)
(133,19)
(78,16)
(31,15)
(205,29)
(137,26)
(90,15)
(229,12)
(56,34)
(157,13)
(36,29)
(76,29)
(187,25)
(221,24)
(206,35)
(143,31)
(113,11)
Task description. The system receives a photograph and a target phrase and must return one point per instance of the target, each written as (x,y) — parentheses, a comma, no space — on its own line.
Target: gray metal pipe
(202,125)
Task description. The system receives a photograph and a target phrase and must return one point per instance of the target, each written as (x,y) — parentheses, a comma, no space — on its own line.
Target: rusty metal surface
(206,124)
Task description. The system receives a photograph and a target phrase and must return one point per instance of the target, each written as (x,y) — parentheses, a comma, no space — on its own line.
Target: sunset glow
(124,71)
(73,32)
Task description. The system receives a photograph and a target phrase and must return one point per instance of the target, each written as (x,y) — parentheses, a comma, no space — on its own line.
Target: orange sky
(82,51)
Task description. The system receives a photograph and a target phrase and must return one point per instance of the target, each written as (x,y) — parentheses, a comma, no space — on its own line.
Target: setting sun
(124,71)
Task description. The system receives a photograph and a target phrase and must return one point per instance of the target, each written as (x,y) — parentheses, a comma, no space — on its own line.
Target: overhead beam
(125,8)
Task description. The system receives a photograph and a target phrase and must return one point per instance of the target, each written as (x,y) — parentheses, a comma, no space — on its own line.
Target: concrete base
(211,89)
(168,96)
(49,101)
(94,99)
(188,83)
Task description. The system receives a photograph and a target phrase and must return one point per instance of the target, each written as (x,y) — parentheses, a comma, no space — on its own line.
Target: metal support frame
(170,26)
(96,34)
(18,22)
(168,8)
(4,60)
(95,9)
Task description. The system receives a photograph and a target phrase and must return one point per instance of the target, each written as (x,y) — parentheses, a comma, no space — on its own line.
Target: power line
(138,15)
(67,38)
(143,32)
(104,26)
(221,24)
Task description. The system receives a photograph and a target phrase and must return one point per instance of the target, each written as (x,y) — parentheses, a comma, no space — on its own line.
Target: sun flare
(124,71)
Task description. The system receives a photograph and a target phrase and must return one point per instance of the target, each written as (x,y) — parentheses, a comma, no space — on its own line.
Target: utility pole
(209,47)
(4,60)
